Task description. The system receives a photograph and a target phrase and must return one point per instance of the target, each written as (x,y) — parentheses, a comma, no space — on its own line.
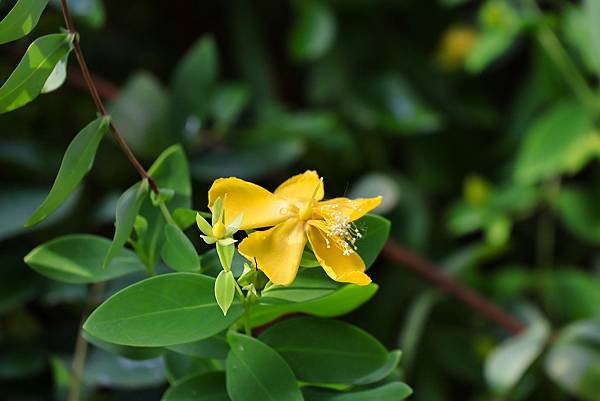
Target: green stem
(165,212)
(247,328)
(557,53)
(140,253)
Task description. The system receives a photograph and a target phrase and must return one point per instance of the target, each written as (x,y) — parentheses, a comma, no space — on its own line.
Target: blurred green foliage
(477,122)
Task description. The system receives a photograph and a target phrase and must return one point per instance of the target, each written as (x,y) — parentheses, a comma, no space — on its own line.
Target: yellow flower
(455,45)
(296,213)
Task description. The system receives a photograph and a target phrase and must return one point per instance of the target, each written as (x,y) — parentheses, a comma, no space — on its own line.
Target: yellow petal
(277,251)
(343,268)
(260,207)
(354,209)
(302,187)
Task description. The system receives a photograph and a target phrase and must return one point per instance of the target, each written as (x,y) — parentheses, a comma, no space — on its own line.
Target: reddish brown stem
(87,77)
(484,307)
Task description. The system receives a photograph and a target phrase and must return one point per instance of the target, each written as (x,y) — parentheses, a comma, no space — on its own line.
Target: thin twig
(81,346)
(484,307)
(87,76)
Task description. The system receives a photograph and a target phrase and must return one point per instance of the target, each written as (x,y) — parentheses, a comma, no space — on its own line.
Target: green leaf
(309,259)
(139,112)
(314,30)
(202,387)
(178,252)
(578,26)
(570,294)
(310,284)
(489,47)
(375,231)
(508,362)
(107,370)
(170,170)
(561,141)
(28,79)
(326,351)
(394,391)
(127,209)
(76,163)
(392,361)
(225,290)
(255,372)
(196,74)
(574,360)
(78,259)
(500,25)
(339,302)
(164,310)
(375,104)
(185,218)
(61,378)
(579,212)
(21,20)
(228,103)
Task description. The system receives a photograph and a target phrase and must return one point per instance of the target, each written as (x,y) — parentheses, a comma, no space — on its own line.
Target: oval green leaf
(339,302)
(28,79)
(21,20)
(326,351)
(178,252)
(128,207)
(225,290)
(313,32)
(77,259)
(164,310)
(507,364)
(574,359)
(256,372)
(103,369)
(202,387)
(562,140)
(76,163)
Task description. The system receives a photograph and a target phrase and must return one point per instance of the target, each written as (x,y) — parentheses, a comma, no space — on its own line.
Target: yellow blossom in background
(476,190)
(296,214)
(455,45)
